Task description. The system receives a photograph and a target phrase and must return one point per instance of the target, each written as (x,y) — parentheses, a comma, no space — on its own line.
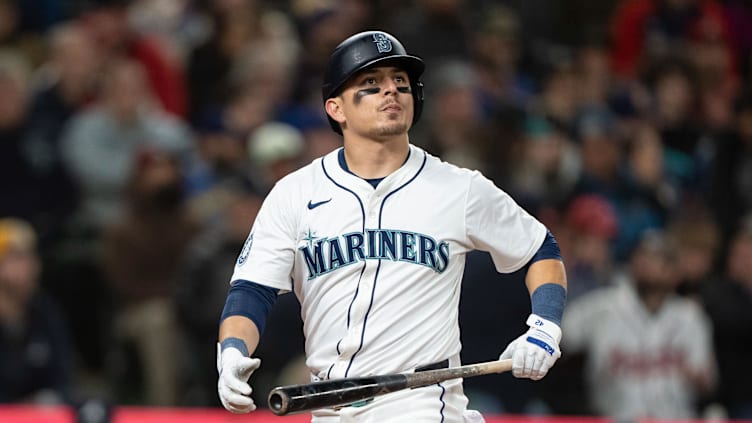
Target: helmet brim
(413,65)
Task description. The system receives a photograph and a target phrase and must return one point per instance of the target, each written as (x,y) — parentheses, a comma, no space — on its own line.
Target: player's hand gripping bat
(342,392)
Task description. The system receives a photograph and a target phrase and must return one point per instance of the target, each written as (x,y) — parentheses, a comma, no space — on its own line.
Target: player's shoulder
(461,178)
(437,168)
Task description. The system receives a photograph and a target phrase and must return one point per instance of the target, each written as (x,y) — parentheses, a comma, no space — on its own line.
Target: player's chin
(393,128)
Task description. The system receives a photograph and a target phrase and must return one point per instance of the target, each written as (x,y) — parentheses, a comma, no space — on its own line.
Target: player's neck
(371,160)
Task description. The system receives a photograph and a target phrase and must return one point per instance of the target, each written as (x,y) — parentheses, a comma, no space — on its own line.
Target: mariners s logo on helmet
(383,45)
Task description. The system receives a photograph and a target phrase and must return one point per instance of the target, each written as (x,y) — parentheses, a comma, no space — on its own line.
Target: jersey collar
(340,174)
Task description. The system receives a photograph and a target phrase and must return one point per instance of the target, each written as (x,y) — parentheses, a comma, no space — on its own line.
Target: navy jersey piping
(363,229)
(378,267)
(441,398)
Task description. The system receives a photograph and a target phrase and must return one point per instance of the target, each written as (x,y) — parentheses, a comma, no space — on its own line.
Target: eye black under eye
(404,89)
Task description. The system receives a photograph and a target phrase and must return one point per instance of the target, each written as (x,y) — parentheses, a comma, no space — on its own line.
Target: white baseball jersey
(636,360)
(377,270)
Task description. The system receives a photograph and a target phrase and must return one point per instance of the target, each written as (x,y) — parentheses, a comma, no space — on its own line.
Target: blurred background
(139,137)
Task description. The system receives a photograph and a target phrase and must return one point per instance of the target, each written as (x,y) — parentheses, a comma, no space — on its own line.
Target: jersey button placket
(374,202)
(351,343)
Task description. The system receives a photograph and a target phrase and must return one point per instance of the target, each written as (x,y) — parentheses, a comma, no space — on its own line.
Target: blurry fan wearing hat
(35,354)
(275,149)
(591,226)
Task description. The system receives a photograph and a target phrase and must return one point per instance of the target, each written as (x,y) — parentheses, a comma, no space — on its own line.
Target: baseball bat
(342,392)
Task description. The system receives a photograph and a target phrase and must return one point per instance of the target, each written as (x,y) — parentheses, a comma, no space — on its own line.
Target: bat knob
(278,402)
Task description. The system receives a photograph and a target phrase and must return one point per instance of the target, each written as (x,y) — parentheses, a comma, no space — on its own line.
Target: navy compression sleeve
(548,300)
(251,300)
(548,250)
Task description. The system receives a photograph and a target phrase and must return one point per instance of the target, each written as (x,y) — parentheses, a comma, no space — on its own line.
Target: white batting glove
(234,371)
(536,350)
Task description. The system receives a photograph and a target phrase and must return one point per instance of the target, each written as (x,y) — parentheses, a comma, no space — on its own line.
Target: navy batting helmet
(367,49)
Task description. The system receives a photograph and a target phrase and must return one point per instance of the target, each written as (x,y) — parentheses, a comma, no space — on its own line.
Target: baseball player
(372,239)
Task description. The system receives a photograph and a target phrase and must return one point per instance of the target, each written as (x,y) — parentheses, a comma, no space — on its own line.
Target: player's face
(378,103)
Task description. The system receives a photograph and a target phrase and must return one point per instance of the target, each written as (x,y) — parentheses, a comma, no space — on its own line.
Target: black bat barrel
(332,393)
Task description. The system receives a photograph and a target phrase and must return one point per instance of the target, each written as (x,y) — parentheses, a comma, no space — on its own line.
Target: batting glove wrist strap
(543,332)
(237,343)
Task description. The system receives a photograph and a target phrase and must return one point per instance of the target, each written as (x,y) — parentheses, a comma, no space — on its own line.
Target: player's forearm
(242,328)
(244,316)
(545,271)
(547,282)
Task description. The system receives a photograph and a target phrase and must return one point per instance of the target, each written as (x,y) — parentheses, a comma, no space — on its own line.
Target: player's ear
(333,108)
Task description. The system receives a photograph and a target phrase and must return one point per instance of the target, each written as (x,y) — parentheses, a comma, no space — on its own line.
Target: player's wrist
(235,343)
(546,326)
(548,300)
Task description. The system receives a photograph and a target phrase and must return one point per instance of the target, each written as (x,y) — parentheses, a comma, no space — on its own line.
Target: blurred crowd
(139,137)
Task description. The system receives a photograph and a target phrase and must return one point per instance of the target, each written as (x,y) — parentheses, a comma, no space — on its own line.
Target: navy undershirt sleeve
(548,250)
(251,300)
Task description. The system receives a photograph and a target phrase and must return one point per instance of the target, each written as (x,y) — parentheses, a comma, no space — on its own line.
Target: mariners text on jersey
(324,255)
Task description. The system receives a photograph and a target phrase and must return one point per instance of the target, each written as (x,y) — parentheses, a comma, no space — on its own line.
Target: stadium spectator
(698,241)
(36,359)
(65,85)
(545,174)
(495,51)
(240,29)
(18,174)
(141,254)
(732,170)
(593,74)
(648,353)
(586,238)
(674,113)
(453,126)
(108,25)
(220,157)
(437,30)
(646,30)
(275,149)
(101,142)
(728,301)
(16,36)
